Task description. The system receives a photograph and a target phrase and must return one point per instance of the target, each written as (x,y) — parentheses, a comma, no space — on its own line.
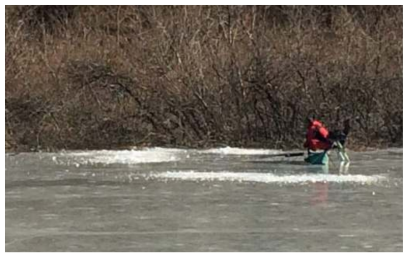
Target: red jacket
(316,136)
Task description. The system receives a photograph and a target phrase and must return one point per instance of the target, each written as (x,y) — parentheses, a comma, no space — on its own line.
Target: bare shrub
(113,76)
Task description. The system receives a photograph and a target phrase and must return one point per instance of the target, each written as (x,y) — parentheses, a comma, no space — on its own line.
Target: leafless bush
(112,76)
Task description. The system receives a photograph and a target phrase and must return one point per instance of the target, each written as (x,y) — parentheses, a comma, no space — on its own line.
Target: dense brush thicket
(113,76)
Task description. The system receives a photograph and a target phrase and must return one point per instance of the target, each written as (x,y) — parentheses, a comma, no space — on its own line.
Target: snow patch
(266,177)
(150,155)
(240,151)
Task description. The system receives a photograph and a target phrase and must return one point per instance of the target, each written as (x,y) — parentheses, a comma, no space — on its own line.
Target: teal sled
(320,158)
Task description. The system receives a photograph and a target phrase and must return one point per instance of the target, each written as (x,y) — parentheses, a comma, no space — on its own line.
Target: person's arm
(322,135)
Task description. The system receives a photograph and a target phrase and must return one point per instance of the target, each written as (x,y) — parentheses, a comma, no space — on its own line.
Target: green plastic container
(320,158)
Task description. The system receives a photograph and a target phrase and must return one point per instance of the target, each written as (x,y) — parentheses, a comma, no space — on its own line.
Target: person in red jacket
(319,137)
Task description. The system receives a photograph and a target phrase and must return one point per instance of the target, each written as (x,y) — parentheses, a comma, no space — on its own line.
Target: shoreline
(123,148)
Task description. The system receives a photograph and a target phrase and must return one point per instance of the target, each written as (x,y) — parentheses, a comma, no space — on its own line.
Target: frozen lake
(223,199)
